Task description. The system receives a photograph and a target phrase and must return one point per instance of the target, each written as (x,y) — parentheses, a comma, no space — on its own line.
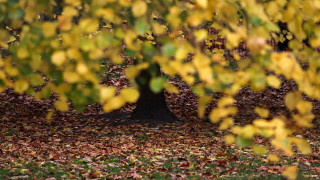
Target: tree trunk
(283,46)
(151,107)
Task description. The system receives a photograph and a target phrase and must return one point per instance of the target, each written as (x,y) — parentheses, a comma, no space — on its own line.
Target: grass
(114,167)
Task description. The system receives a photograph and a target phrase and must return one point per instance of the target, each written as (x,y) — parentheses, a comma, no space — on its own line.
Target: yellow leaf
(262,123)
(113,104)
(89,25)
(236,129)
(106,93)
(233,39)
(24,171)
(131,72)
(181,53)
(272,8)
(173,18)
(292,99)
(49,29)
(64,23)
(303,145)
(289,36)
(2,89)
(73,2)
(201,35)
(49,115)
(95,53)
(226,77)
(117,59)
(139,8)
(256,45)
(290,173)
(304,120)
(273,158)
(295,26)
(201,110)
(125,3)
(236,56)
(130,36)
(36,80)
(232,110)
(267,132)
(226,123)
(22,53)
(62,88)
(264,113)
(248,131)
(203,101)
(58,58)
(258,82)
(202,3)
(158,29)
(21,86)
(229,139)
(287,65)
(133,159)
(205,74)
(226,101)
(260,150)
(273,81)
(69,11)
(106,13)
(315,42)
(82,68)
(4,45)
(304,107)
(282,142)
(74,53)
(171,88)
(218,113)
(71,77)
(130,95)
(61,105)
(195,19)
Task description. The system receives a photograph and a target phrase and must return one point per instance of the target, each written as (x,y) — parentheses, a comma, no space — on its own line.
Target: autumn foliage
(59,46)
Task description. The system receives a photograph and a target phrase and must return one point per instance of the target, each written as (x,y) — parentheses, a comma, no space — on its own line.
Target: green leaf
(130,53)
(36,79)
(272,27)
(141,27)
(255,21)
(26,70)
(169,49)
(45,93)
(183,15)
(157,84)
(243,142)
(44,2)
(16,13)
(104,41)
(13,2)
(86,45)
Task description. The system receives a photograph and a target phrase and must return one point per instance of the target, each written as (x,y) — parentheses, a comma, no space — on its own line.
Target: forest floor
(72,145)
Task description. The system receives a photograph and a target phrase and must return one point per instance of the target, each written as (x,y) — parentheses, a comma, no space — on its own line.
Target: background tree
(171,35)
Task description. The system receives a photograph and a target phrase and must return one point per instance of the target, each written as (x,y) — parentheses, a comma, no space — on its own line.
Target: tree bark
(151,107)
(283,46)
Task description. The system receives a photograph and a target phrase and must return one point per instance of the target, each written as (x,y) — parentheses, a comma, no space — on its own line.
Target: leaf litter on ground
(69,147)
